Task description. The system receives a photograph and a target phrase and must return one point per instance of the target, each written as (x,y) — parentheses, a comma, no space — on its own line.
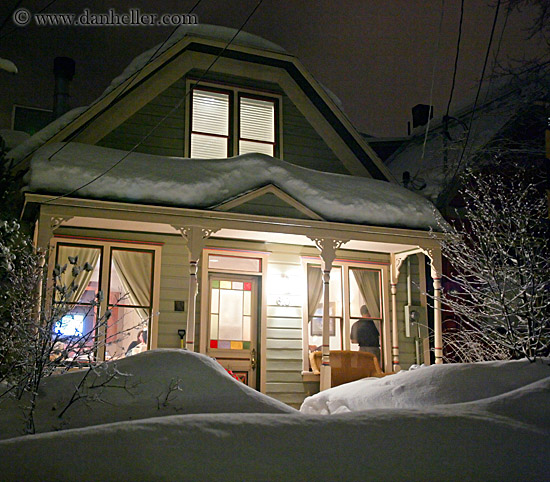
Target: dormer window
(226,123)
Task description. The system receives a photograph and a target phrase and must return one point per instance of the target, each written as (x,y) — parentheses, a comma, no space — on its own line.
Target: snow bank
(476,422)
(142,392)
(432,385)
(393,445)
(204,183)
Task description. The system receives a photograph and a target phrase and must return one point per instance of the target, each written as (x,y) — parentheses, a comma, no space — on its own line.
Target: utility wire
(9,15)
(129,83)
(9,32)
(436,55)
(177,106)
(478,89)
(456,57)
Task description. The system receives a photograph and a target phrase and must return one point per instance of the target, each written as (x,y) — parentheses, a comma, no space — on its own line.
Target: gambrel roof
(195,47)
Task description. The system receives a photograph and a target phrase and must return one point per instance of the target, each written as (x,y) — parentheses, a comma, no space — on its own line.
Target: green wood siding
(167,139)
(301,143)
(269,205)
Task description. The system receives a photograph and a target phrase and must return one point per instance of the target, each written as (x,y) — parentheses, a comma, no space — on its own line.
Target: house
(220,189)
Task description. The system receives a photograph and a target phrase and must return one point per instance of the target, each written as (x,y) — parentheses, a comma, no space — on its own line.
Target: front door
(232,324)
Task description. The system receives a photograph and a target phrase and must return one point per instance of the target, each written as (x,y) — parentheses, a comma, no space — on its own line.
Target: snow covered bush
(499,253)
(32,345)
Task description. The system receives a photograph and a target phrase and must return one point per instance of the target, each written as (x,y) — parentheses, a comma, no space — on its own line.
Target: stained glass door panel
(232,323)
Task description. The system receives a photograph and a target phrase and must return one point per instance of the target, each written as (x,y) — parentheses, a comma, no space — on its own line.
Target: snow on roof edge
(203,183)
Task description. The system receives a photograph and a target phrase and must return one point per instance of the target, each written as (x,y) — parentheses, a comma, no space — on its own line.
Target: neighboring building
(191,207)
(508,124)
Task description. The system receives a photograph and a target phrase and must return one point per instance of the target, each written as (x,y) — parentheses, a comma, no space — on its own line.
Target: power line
(177,106)
(478,89)
(9,32)
(9,15)
(129,83)
(433,79)
(456,57)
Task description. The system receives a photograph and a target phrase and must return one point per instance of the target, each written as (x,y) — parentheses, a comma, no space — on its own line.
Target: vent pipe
(63,69)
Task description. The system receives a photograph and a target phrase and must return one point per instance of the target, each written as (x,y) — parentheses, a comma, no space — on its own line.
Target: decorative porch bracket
(195,237)
(328,248)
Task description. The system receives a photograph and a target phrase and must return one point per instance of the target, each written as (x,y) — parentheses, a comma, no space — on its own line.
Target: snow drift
(476,422)
(204,183)
(431,385)
(150,384)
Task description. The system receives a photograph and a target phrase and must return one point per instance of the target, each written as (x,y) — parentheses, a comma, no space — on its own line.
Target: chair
(348,366)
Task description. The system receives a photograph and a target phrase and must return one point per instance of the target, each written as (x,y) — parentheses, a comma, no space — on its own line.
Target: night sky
(377,56)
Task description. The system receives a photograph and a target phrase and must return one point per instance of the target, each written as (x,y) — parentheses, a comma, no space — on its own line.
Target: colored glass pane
(237,285)
(224,344)
(246,345)
(247,286)
(236,345)
(215,283)
(214,326)
(215,301)
(225,285)
(213,343)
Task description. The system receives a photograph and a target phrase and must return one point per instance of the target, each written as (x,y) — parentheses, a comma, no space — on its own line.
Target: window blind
(209,124)
(257,126)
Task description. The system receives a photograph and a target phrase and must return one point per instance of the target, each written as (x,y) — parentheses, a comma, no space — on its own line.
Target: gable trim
(269,189)
(79,129)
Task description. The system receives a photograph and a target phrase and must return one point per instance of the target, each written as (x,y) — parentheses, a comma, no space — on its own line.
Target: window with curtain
(364,289)
(315,308)
(227,122)
(78,292)
(130,299)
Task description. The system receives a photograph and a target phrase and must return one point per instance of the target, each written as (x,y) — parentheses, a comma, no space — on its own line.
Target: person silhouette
(365,333)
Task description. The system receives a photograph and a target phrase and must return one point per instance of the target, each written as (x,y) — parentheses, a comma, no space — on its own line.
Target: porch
(190,242)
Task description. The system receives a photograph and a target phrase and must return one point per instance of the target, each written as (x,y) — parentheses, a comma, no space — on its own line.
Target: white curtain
(134,268)
(369,286)
(85,255)
(315,289)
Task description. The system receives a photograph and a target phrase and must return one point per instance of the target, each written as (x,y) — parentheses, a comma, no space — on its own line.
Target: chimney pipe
(421,114)
(63,69)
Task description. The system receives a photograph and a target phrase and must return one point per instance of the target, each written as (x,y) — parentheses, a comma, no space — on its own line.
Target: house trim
(360,158)
(269,189)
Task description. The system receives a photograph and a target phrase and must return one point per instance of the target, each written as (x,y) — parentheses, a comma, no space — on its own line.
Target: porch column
(436,270)
(328,248)
(396,262)
(195,237)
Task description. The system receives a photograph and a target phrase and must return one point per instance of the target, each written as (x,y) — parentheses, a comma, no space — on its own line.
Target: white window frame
(234,131)
(346,265)
(106,247)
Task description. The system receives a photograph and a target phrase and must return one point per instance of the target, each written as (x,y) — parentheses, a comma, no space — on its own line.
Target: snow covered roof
(204,183)
(436,169)
(215,32)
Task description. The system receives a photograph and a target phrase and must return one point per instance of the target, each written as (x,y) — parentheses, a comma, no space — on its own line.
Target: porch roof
(87,171)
